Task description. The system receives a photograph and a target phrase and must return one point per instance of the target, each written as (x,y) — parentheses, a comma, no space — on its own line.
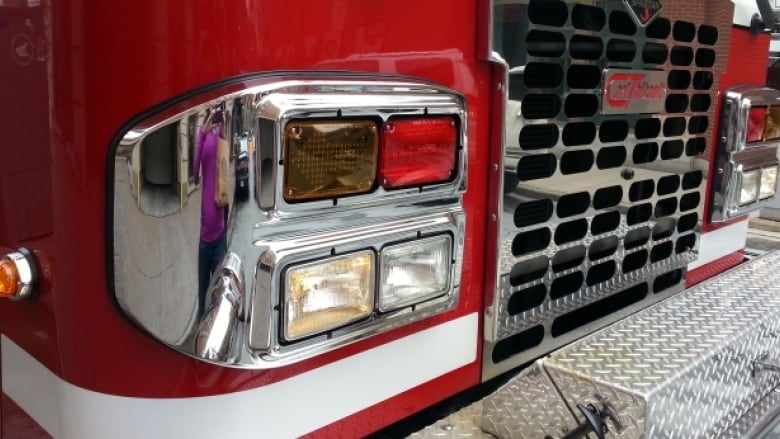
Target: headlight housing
(414,271)
(323,295)
(748,192)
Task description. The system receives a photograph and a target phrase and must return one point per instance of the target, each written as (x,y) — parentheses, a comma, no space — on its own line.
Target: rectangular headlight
(748,193)
(325,159)
(326,294)
(768,182)
(414,271)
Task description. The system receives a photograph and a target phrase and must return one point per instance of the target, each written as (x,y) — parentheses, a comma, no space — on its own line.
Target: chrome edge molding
(155,230)
(734,156)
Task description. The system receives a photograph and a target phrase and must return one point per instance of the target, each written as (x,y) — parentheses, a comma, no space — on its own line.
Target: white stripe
(288,408)
(719,243)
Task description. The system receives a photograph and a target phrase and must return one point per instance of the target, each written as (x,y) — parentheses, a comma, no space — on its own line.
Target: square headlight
(415,271)
(748,192)
(326,294)
(768,182)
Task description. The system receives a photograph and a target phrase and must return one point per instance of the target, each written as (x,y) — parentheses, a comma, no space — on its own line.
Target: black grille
(610,194)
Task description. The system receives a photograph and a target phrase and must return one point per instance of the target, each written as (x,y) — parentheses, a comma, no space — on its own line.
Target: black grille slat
(533,212)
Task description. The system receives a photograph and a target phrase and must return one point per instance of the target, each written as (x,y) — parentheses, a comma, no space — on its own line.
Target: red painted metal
(710,269)
(100,64)
(17,423)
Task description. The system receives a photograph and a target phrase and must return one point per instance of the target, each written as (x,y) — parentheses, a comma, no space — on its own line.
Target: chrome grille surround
(558,142)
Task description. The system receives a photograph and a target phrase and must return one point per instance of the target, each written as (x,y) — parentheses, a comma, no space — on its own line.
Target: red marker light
(756,124)
(418,151)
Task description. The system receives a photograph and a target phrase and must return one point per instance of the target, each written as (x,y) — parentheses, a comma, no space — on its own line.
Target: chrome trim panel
(734,155)
(157,203)
(557,132)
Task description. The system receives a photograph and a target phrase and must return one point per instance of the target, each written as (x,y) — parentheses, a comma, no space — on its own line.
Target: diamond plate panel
(527,407)
(684,368)
(465,423)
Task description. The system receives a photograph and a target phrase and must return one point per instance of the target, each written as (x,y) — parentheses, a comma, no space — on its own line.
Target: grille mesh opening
(685,243)
(708,34)
(604,223)
(681,56)
(551,13)
(571,231)
(545,44)
(579,133)
(568,258)
(607,197)
(600,273)
(603,248)
(666,207)
(613,131)
(588,17)
(583,76)
(663,229)
(620,50)
(660,28)
(661,251)
(634,261)
(639,214)
(594,311)
(679,79)
(543,75)
(687,222)
(700,102)
(702,80)
(672,149)
(534,167)
(566,285)
(534,137)
(584,105)
(689,201)
(575,162)
(645,152)
(573,204)
(541,106)
(676,103)
(532,241)
(684,31)
(641,190)
(533,212)
(586,47)
(668,184)
(527,299)
(611,157)
(621,23)
(705,57)
(517,343)
(666,281)
(528,271)
(647,128)
(655,53)
(692,180)
(636,238)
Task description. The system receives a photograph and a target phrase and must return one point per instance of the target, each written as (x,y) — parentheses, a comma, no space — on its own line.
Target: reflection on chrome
(204,234)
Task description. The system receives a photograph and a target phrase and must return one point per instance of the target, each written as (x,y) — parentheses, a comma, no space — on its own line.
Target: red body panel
(109,61)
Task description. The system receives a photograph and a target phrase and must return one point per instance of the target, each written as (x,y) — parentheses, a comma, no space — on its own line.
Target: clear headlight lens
(748,193)
(414,271)
(327,294)
(768,183)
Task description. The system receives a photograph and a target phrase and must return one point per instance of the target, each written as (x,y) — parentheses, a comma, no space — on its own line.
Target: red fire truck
(439,194)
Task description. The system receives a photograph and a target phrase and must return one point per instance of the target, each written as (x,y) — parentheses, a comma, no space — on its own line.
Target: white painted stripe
(719,243)
(288,408)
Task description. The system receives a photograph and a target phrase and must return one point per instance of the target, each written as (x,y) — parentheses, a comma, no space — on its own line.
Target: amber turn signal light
(18,275)
(329,158)
(9,279)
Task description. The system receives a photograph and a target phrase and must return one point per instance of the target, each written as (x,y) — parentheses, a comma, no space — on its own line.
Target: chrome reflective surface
(734,155)
(600,205)
(698,365)
(161,229)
